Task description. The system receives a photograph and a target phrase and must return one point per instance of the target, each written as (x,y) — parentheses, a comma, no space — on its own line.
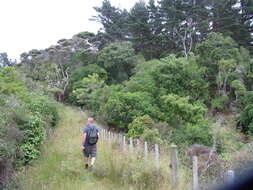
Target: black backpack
(92,136)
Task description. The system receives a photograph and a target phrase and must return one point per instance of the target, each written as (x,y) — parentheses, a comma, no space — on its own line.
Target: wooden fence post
(174,164)
(138,145)
(145,151)
(106,135)
(157,158)
(124,143)
(230,176)
(131,144)
(195,173)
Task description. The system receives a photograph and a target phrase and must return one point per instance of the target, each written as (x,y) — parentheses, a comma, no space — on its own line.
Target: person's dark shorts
(90,151)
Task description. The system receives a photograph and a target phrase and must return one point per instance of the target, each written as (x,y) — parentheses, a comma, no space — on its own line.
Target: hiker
(89,144)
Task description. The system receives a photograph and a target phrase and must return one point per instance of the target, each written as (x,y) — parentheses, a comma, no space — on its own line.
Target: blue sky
(37,24)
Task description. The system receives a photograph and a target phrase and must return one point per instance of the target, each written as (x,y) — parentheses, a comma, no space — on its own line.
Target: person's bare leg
(86,160)
(93,159)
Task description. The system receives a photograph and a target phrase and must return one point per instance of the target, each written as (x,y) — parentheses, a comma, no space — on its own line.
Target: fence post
(124,142)
(146,151)
(138,145)
(174,164)
(106,135)
(131,144)
(195,173)
(157,158)
(230,176)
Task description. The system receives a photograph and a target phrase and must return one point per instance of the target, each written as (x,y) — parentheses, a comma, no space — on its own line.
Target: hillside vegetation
(61,165)
(166,72)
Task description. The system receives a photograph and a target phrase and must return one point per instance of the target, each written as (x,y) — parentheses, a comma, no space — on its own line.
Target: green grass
(61,165)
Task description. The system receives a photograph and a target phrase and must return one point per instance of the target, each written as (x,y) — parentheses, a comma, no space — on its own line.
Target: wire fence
(157,152)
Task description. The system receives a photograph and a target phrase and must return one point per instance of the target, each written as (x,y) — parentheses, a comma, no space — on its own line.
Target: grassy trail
(61,165)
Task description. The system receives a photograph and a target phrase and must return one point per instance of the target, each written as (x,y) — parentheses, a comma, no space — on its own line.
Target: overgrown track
(61,165)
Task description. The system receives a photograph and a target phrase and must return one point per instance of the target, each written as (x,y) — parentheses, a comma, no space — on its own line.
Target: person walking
(89,143)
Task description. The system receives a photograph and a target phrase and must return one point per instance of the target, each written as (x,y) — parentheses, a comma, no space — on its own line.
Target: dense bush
(85,71)
(221,56)
(181,76)
(83,93)
(123,107)
(179,110)
(143,127)
(24,119)
(189,134)
(245,120)
(118,59)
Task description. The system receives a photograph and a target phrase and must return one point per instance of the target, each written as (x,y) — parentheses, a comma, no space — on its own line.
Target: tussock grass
(61,166)
(129,169)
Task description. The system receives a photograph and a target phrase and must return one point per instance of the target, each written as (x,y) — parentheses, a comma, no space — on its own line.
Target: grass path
(61,166)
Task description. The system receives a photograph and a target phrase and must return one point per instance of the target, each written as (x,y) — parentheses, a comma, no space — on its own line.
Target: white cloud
(37,24)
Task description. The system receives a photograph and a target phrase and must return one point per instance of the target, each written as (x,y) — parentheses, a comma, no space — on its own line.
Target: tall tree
(139,27)
(114,21)
(5,61)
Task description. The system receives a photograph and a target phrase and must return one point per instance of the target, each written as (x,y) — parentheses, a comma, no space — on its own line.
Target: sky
(38,24)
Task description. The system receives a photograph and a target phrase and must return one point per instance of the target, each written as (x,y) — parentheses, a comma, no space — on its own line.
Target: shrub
(77,76)
(220,103)
(123,107)
(190,134)
(9,82)
(118,59)
(181,76)
(139,125)
(83,93)
(179,109)
(34,135)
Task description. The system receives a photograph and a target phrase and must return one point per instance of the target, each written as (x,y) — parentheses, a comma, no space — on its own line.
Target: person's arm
(84,139)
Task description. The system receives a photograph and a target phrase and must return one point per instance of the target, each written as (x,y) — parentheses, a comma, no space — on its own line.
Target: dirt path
(61,166)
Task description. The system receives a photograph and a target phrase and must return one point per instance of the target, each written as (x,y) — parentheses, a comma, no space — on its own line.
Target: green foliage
(190,134)
(34,135)
(152,136)
(43,71)
(139,125)
(83,92)
(84,57)
(220,103)
(179,109)
(245,120)
(143,80)
(181,76)
(118,59)
(9,83)
(123,107)
(220,55)
(85,71)
(25,117)
(238,87)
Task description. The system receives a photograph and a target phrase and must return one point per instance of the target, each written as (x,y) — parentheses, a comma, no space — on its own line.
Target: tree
(141,32)
(113,20)
(226,67)
(212,54)
(118,59)
(84,91)
(123,107)
(181,76)
(179,109)
(5,61)
(238,87)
